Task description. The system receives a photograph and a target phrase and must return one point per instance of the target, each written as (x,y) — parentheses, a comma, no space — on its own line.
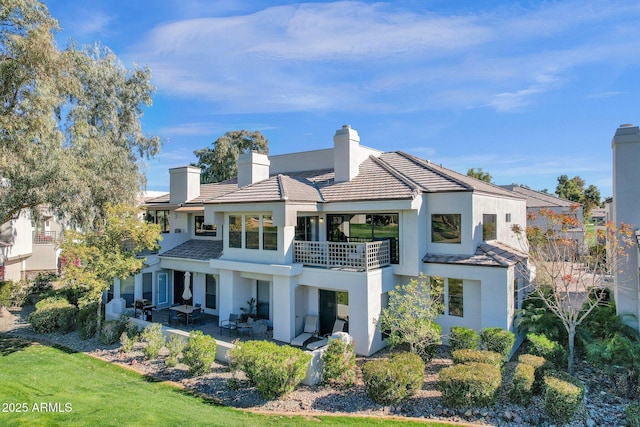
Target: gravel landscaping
(603,405)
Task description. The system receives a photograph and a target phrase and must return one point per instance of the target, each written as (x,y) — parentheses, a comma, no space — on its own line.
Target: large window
(456,300)
(489,227)
(127,290)
(161,218)
(235,231)
(202,229)
(307,229)
(263,298)
(253,232)
(437,283)
(366,228)
(446,228)
(211,292)
(163,288)
(269,234)
(147,286)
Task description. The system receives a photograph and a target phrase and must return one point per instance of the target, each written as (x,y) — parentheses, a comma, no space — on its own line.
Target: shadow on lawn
(10,345)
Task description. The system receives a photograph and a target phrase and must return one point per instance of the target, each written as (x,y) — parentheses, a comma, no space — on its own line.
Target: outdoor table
(184,309)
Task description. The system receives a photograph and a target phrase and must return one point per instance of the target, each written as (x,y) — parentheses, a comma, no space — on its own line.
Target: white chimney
(346,160)
(252,167)
(184,184)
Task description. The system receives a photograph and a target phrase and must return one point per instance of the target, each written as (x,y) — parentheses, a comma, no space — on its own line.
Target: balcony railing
(357,256)
(45,237)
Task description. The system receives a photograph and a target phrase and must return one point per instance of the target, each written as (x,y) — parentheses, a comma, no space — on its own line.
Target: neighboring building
(330,232)
(538,201)
(15,246)
(625,208)
(598,216)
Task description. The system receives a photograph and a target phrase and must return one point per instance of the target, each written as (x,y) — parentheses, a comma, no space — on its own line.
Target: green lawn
(78,390)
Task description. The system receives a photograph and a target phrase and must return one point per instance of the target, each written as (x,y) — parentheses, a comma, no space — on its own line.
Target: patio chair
(310,330)
(230,324)
(197,314)
(246,327)
(338,326)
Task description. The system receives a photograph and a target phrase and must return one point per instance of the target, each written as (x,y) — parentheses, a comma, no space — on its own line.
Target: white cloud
(341,56)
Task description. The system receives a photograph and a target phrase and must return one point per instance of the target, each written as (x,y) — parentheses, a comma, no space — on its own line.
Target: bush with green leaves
(12,294)
(522,383)
(540,345)
(619,356)
(563,395)
(535,317)
(632,412)
(480,356)
(339,361)
(42,283)
(126,342)
(113,329)
(176,345)
(499,340)
(274,370)
(469,384)
(87,316)
(540,366)
(389,381)
(53,314)
(199,352)
(462,338)
(154,339)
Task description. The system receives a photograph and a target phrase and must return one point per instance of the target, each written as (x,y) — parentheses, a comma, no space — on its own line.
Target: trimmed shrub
(480,356)
(540,366)
(522,383)
(53,314)
(275,370)
(498,340)
(540,345)
(469,384)
(12,294)
(563,395)
(176,345)
(463,338)
(152,336)
(390,381)
(339,363)
(198,354)
(632,412)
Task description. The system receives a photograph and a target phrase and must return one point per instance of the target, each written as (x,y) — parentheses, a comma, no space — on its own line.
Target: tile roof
(538,199)
(492,254)
(274,189)
(202,250)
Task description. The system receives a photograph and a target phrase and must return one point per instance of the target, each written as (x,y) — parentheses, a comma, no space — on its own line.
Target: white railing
(45,237)
(357,256)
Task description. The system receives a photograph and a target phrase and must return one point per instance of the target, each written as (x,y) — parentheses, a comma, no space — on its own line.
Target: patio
(208,326)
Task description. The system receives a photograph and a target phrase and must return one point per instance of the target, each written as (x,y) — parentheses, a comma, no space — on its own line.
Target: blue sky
(525,90)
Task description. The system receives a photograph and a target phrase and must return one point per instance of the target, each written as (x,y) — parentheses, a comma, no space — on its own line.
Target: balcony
(362,256)
(45,237)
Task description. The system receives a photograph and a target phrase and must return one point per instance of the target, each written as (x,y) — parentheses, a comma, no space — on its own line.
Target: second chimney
(252,167)
(346,144)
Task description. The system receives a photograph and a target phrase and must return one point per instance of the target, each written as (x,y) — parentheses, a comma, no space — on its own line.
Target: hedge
(480,356)
(522,383)
(499,340)
(463,338)
(388,382)
(469,384)
(563,395)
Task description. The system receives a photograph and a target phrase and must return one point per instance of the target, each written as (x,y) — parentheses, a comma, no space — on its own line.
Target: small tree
(410,316)
(93,259)
(570,279)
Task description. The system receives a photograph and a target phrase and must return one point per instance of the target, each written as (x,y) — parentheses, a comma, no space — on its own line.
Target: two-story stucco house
(330,232)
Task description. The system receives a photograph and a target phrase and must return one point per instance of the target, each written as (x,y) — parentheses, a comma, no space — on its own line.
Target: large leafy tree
(574,189)
(70,134)
(218,162)
(93,259)
(567,278)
